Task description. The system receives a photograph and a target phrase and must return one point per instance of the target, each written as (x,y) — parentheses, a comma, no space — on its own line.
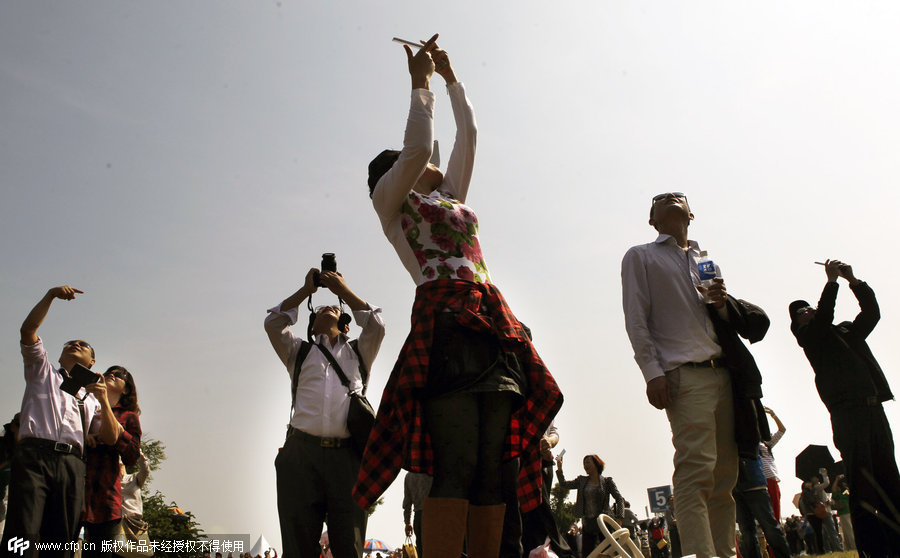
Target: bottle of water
(707,269)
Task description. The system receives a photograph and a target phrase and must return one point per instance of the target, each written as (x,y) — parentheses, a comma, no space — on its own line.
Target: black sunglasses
(658,197)
(120,374)
(82,344)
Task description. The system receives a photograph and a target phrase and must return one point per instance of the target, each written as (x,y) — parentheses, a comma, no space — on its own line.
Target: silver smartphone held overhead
(405,42)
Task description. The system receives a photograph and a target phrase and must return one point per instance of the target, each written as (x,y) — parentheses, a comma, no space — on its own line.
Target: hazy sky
(184,163)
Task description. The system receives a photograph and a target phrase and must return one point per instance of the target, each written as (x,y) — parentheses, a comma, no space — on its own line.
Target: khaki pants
(706,463)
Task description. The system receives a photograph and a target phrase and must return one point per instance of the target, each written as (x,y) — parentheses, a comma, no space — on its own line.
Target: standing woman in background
(592,500)
(102,486)
(468,391)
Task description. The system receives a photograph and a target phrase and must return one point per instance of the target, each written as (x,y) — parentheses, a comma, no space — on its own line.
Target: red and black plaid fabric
(398,439)
(102,482)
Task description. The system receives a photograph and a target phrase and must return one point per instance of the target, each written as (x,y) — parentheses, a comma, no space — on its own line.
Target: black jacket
(607,488)
(750,322)
(846,371)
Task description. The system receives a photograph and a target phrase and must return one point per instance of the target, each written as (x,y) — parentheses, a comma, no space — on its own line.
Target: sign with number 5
(659,498)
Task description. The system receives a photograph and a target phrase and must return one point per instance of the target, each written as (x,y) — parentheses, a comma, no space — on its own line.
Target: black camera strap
(302,353)
(340,371)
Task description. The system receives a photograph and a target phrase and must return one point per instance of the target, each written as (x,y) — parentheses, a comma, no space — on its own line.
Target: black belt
(59,447)
(322,442)
(870,401)
(711,363)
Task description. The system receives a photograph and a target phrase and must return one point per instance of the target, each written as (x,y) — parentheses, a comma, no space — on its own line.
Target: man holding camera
(318,465)
(46,489)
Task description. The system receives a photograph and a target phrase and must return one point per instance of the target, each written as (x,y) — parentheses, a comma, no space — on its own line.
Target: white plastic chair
(616,541)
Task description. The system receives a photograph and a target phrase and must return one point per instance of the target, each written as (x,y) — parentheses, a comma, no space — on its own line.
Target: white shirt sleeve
(278,327)
(372,324)
(418,142)
(636,304)
(462,158)
(776,437)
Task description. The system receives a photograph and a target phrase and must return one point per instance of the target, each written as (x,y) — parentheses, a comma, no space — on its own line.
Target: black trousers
(313,481)
(864,438)
(46,493)
(417,531)
(540,523)
(591,536)
(675,540)
(96,533)
(511,539)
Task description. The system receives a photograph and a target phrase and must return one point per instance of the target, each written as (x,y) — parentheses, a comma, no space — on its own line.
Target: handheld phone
(405,42)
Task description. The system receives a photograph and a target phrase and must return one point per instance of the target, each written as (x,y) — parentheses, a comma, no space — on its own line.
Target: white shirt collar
(663,238)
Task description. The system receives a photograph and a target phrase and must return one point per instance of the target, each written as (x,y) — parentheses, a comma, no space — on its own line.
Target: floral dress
(443,235)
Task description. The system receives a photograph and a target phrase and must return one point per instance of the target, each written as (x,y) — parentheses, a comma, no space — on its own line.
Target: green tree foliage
(155,452)
(371,509)
(170,529)
(563,511)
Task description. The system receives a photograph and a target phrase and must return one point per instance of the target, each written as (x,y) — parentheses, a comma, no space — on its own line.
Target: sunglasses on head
(325,307)
(82,344)
(658,197)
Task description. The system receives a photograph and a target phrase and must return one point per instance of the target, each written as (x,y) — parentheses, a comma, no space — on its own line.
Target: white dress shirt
(394,187)
(321,402)
(665,316)
(47,411)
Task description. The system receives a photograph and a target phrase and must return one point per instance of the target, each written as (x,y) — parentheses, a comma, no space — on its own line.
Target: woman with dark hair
(468,392)
(103,490)
(592,500)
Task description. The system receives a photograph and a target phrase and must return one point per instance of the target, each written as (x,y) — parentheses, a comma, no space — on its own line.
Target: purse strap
(84,427)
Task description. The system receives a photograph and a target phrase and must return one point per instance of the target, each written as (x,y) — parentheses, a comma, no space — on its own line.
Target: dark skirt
(463,360)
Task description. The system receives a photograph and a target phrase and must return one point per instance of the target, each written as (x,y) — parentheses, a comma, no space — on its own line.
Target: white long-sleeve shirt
(665,316)
(394,187)
(321,402)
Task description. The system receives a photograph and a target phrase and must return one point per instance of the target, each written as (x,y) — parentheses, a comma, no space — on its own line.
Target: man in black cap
(852,386)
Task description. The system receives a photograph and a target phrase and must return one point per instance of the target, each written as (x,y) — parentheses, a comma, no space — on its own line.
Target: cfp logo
(16,544)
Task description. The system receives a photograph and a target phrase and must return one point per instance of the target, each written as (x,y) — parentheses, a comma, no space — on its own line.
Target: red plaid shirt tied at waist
(399,440)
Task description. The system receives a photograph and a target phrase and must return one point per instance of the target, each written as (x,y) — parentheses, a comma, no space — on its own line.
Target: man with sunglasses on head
(317,467)
(46,489)
(696,369)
